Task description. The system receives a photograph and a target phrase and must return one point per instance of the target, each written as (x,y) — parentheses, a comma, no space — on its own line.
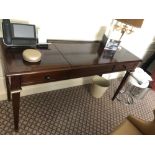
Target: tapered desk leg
(8,88)
(15,104)
(15,94)
(121,84)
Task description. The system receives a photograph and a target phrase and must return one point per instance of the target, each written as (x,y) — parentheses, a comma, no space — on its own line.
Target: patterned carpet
(73,111)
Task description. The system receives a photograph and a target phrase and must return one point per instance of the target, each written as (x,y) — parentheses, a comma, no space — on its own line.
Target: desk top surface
(63,55)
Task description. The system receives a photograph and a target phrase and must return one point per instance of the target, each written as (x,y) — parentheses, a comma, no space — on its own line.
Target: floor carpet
(73,111)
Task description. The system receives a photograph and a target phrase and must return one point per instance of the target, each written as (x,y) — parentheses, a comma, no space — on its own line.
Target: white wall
(72,27)
(140,40)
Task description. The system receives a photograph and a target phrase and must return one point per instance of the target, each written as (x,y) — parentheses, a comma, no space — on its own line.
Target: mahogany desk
(63,60)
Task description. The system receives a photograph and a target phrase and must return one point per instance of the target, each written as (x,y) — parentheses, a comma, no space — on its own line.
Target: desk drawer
(43,77)
(89,71)
(125,66)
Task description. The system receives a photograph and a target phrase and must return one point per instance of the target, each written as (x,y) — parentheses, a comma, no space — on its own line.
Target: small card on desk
(111,48)
(112,44)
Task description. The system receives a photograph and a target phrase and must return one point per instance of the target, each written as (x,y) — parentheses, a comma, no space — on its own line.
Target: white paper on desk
(42,40)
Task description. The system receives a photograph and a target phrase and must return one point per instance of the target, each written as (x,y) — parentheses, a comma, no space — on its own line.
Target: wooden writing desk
(63,60)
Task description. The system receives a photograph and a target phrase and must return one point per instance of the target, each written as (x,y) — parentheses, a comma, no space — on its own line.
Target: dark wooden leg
(15,93)
(8,88)
(121,84)
(15,104)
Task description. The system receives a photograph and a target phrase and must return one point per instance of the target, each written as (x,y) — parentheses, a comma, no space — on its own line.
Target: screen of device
(23,31)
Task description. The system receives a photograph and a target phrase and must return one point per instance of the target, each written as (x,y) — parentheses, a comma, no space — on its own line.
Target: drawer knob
(47,77)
